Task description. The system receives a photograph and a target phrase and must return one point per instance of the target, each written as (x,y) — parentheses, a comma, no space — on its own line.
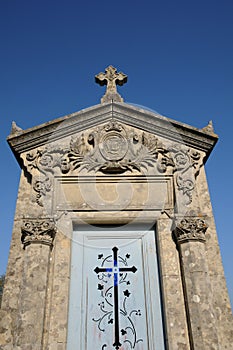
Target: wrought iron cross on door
(118,274)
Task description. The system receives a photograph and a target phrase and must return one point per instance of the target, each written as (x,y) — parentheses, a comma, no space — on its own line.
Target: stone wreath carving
(111,149)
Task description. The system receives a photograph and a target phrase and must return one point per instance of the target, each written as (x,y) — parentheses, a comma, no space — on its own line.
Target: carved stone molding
(45,161)
(184,159)
(190,229)
(112,149)
(40,231)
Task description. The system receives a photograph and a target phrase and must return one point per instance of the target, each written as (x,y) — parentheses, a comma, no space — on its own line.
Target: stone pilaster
(174,308)
(189,234)
(37,240)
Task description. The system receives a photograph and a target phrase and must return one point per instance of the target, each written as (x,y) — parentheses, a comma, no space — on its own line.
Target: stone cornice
(56,129)
(165,127)
(29,139)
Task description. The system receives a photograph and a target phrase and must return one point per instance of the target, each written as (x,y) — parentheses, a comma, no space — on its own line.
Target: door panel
(114,291)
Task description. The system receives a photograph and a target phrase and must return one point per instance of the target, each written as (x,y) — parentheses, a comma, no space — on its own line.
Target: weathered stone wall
(12,289)
(218,292)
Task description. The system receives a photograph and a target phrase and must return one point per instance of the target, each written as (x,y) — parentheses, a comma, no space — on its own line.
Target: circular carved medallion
(113,146)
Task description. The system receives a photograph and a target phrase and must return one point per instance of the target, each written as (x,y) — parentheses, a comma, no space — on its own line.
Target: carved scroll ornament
(40,231)
(111,149)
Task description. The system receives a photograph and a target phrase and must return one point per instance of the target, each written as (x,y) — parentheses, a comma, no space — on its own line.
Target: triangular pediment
(25,140)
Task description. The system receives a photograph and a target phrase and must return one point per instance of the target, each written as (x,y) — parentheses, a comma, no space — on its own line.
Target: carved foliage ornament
(190,229)
(111,149)
(45,161)
(38,231)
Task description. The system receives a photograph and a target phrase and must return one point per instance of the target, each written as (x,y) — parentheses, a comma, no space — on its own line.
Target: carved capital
(40,231)
(190,229)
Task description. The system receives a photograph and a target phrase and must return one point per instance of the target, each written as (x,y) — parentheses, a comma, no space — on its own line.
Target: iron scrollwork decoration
(112,149)
(113,284)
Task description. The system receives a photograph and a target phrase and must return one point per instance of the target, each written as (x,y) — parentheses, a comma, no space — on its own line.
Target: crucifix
(114,271)
(111,78)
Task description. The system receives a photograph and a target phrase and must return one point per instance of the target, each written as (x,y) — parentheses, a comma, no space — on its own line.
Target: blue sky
(178,56)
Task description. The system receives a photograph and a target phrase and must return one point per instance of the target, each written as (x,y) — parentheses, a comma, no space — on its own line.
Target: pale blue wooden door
(114,298)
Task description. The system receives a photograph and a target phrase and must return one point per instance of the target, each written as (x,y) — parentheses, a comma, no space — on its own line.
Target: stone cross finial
(111,78)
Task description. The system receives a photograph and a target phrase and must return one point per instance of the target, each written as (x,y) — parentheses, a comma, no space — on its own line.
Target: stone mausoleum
(114,244)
